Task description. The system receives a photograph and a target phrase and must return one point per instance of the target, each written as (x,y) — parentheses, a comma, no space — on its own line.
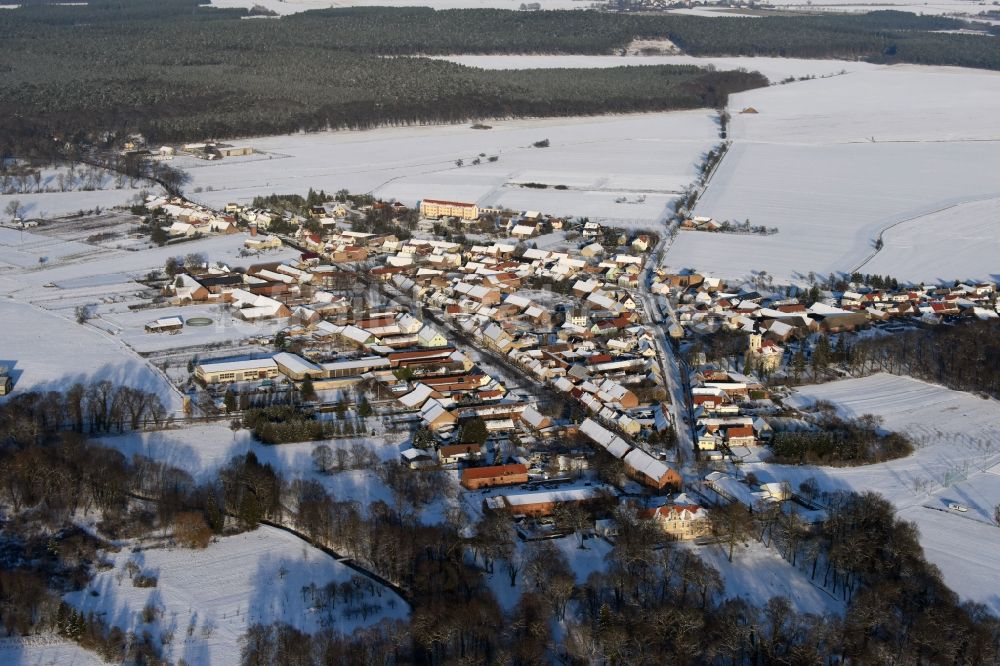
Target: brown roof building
(474,478)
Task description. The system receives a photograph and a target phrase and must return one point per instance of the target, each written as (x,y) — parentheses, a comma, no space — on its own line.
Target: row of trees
(97,407)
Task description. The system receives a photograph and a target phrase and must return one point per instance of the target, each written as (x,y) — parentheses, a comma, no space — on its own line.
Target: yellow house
(437,208)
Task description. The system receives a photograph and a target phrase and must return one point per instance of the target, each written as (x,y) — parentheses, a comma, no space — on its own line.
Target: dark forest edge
(655,602)
(176,70)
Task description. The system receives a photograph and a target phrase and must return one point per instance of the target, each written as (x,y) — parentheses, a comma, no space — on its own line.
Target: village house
(680,518)
(455,453)
(538,504)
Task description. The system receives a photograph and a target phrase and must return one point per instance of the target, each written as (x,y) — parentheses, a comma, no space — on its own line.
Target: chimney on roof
(253,229)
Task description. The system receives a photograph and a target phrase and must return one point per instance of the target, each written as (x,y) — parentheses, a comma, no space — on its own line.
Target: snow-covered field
(207,598)
(45,352)
(925,248)
(45,651)
(775,69)
(830,202)
(60,193)
(968,8)
(889,103)
(645,158)
(807,164)
(957,461)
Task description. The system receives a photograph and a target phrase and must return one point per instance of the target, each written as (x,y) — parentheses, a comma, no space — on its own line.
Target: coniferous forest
(179,70)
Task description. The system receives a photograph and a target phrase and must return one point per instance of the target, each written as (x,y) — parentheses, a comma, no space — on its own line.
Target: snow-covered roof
(296,363)
(646,464)
(235,366)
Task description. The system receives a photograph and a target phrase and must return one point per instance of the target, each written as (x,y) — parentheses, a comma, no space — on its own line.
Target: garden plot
(600,158)
(829,203)
(129,326)
(25,249)
(102,266)
(44,352)
(956,462)
(205,599)
(775,69)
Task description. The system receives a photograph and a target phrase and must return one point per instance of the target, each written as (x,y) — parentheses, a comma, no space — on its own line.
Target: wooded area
(654,603)
(964,356)
(176,70)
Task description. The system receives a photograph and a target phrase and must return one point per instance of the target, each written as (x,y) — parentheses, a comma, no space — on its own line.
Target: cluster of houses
(586,341)
(706,304)
(191,219)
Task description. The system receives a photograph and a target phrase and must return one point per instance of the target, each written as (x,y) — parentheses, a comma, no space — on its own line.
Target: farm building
(474,478)
(544,503)
(165,325)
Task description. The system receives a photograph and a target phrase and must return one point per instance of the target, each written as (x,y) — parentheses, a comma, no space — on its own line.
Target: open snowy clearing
(45,352)
(775,69)
(55,204)
(600,160)
(207,598)
(806,164)
(45,651)
(928,247)
(956,461)
(757,574)
(201,450)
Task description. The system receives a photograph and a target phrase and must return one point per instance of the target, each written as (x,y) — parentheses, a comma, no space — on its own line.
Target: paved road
(673,369)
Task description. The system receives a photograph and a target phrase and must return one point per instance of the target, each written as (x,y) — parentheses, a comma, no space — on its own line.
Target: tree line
(97,407)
